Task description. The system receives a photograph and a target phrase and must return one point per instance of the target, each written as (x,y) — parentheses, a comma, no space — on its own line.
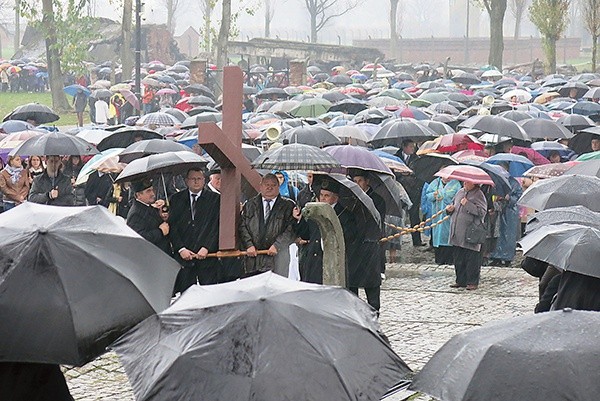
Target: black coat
(577,291)
(311,255)
(145,219)
(277,231)
(201,232)
(98,186)
(366,259)
(43,184)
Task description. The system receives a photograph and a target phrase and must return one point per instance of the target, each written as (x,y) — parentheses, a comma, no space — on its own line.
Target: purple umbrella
(358,157)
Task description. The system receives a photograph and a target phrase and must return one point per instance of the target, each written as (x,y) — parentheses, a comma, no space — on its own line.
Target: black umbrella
(566,190)
(199,89)
(101,94)
(539,128)
(233,341)
(516,115)
(312,135)
(569,247)
(55,143)
(394,132)
(495,125)
(580,89)
(73,280)
(427,165)
(202,109)
(125,136)
(438,127)
(178,114)
(349,106)
(39,113)
(162,163)
(393,193)
(575,122)
(272,92)
(148,147)
(340,80)
(550,356)
(295,156)
(335,96)
(201,100)
(466,78)
(193,121)
(571,214)
(374,116)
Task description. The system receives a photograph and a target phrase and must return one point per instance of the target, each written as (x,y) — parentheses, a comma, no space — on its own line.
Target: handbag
(476,233)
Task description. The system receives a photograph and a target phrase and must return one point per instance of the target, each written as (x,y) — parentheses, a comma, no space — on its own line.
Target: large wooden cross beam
(225,147)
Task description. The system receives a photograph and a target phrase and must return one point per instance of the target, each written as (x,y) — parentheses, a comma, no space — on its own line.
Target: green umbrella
(589,156)
(419,103)
(433,97)
(313,107)
(396,94)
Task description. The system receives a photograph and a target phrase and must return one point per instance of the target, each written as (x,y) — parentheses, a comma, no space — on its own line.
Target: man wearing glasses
(194,222)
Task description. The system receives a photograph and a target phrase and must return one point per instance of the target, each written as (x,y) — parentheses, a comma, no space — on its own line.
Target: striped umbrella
(464,173)
(296,156)
(158,118)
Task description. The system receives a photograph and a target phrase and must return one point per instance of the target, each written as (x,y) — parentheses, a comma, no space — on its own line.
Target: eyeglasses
(195,178)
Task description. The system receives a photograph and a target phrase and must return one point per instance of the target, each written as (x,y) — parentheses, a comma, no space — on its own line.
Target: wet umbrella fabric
(590,167)
(571,215)
(566,190)
(56,309)
(465,173)
(93,136)
(162,163)
(232,341)
(495,125)
(312,135)
(125,136)
(394,132)
(549,356)
(548,170)
(500,176)
(569,247)
(427,165)
(72,90)
(149,147)
(42,114)
(517,164)
(55,143)
(540,128)
(351,157)
(296,156)
(12,126)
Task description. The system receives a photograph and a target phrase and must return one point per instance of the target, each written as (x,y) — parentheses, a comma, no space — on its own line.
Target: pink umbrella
(470,155)
(460,172)
(535,157)
(166,91)
(131,98)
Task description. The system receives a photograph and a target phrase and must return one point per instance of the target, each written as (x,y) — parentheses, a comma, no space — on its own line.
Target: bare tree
(269,13)
(222,41)
(17,39)
(551,18)
(207,7)
(172,7)
(591,21)
(496,9)
(323,11)
(393,27)
(126,35)
(517,9)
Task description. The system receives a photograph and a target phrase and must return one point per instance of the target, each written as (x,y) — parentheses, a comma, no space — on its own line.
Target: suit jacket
(201,232)
(277,230)
(145,219)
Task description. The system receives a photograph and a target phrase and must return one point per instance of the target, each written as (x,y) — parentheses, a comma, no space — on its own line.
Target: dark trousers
(467,265)
(373,296)
(22,381)
(413,214)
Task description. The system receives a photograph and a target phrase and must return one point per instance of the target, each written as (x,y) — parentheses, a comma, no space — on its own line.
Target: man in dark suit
(146,216)
(194,222)
(413,187)
(266,224)
(311,266)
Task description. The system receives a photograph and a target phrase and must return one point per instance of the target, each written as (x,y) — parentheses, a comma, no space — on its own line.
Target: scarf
(15,173)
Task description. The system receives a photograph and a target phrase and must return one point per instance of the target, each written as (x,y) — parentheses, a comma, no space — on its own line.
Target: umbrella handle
(233,253)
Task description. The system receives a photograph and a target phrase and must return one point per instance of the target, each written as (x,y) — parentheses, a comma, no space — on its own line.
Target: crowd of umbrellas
(233,340)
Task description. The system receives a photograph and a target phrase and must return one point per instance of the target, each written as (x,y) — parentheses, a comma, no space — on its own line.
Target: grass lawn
(9,101)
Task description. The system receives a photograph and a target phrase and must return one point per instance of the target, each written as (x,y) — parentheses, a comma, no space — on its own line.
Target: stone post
(198,72)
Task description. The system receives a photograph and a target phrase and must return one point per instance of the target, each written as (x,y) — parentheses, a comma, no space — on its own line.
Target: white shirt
(271,203)
(101,112)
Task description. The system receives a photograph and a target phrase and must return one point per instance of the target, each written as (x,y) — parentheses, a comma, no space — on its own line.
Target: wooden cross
(225,147)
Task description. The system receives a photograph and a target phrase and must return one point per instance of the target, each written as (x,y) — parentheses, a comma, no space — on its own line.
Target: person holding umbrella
(52,187)
(468,207)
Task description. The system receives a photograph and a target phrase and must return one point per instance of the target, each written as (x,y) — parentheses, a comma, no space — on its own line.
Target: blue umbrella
(387,155)
(584,108)
(500,176)
(71,90)
(517,164)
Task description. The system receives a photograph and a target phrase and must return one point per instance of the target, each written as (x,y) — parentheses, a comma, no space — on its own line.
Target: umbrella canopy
(575,122)
(571,215)
(517,164)
(72,90)
(394,132)
(585,108)
(131,98)
(158,118)
(393,193)
(500,176)
(589,156)
(540,128)
(54,143)
(458,141)
(470,155)
(566,190)
(438,127)
(150,147)
(89,167)
(201,100)
(200,89)
(39,113)
(495,125)
(590,167)
(426,166)
(12,126)
(350,132)
(93,136)
(125,136)
(312,107)
(242,351)
(101,94)
(464,173)
(350,157)
(11,141)
(56,309)
(547,170)
(273,93)
(569,247)
(543,357)
(312,135)
(296,156)
(522,95)
(162,163)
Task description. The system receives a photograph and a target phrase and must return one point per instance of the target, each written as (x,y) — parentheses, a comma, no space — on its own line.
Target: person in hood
(286,189)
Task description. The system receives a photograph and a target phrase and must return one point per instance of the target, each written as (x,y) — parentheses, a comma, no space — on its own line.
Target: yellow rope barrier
(419,227)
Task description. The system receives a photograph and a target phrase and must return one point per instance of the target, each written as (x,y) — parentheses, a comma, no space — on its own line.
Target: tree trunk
(550,50)
(496,13)
(170,12)
(267,18)
(17,39)
(59,99)
(126,50)
(207,33)
(313,27)
(518,18)
(594,52)
(393,28)
(222,43)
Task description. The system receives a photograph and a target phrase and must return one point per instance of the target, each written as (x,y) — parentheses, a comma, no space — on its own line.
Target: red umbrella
(183,105)
(454,142)
(471,174)
(535,157)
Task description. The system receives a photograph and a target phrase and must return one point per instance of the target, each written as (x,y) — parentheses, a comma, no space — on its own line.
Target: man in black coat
(97,188)
(194,222)
(146,216)
(266,224)
(413,187)
(311,266)
(52,187)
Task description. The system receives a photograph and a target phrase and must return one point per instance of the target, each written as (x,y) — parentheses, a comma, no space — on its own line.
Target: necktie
(193,207)
(267,209)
